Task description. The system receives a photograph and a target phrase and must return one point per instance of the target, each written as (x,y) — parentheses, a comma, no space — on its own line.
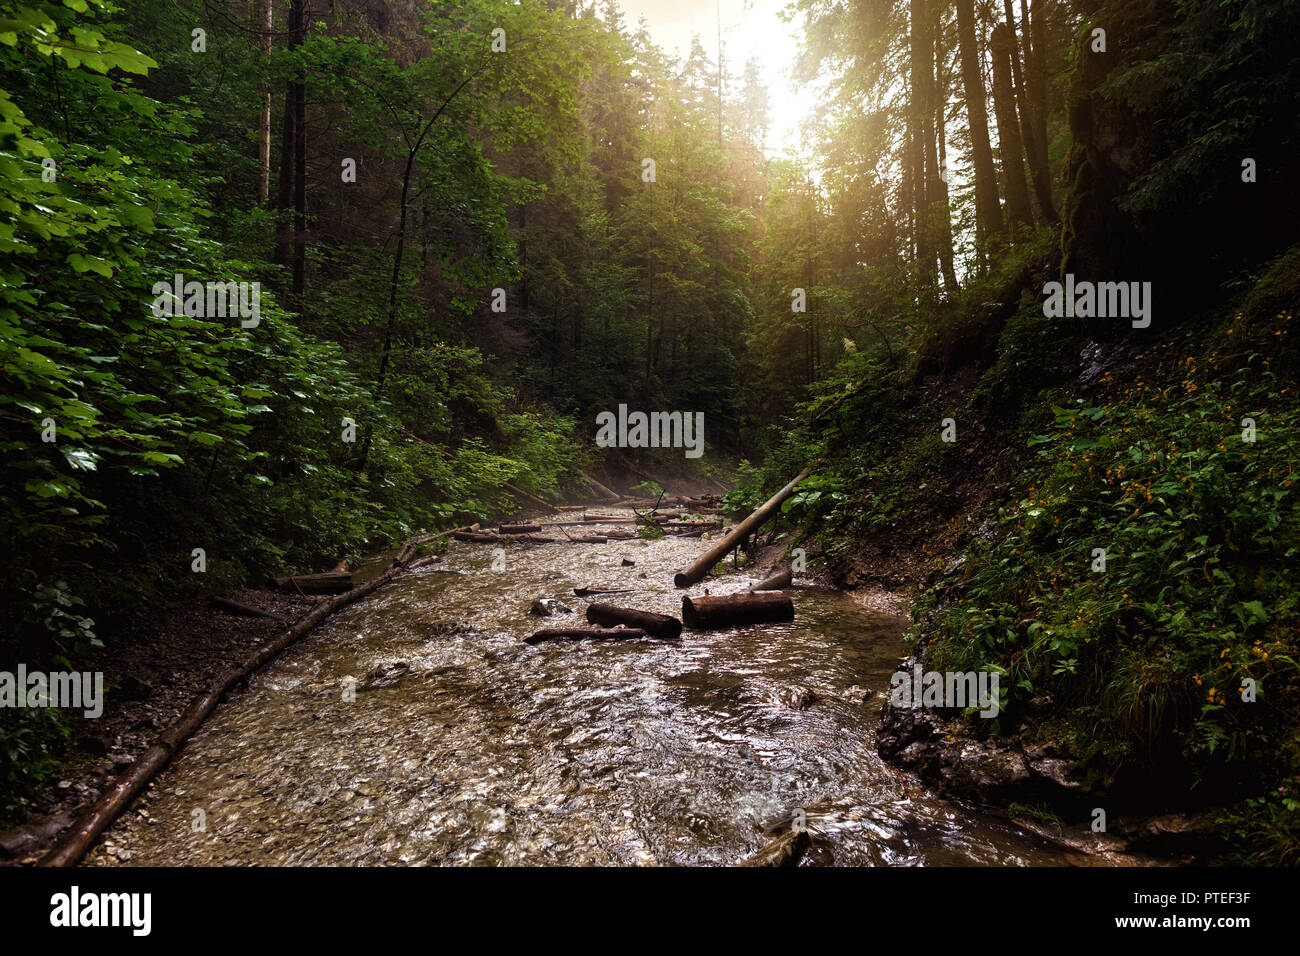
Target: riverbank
(1030,785)
(175,652)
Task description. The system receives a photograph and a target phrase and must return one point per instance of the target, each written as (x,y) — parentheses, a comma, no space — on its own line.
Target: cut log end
(730,610)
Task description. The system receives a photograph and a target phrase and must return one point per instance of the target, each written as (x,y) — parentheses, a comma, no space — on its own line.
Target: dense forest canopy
(476,224)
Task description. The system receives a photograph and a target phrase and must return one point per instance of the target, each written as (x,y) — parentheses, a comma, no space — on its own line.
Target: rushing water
(490,751)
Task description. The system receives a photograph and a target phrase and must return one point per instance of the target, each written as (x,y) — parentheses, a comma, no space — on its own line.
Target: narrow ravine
(489,751)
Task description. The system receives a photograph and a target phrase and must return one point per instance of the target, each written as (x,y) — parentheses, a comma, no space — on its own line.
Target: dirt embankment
(163,660)
(1035,783)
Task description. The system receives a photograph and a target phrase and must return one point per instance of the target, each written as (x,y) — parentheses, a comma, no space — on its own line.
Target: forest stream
(486,750)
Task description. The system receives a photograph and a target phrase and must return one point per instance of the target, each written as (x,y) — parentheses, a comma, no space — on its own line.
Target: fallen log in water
(72,846)
(584,633)
(477,537)
(658,625)
(330,582)
(600,489)
(487,537)
(678,501)
(519,528)
(609,519)
(727,610)
(777,582)
(590,539)
(704,564)
(585,592)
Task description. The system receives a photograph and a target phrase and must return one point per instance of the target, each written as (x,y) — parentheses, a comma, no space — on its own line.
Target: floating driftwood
(726,610)
(519,528)
(658,625)
(585,592)
(585,634)
(704,564)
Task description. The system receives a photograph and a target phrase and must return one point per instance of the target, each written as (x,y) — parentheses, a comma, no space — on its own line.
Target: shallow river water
(490,751)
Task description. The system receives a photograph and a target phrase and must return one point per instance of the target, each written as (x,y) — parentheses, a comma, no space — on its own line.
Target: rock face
(988,772)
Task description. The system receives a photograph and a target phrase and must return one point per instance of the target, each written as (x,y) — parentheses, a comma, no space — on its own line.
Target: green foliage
(1264,830)
(1199,531)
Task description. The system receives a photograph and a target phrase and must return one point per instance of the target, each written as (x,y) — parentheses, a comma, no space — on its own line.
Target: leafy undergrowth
(1132,577)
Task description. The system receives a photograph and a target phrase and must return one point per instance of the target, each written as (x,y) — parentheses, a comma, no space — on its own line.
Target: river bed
(487,751)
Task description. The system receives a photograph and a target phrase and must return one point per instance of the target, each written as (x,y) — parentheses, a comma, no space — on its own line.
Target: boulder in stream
(797,698)
(384,675)
(548,607)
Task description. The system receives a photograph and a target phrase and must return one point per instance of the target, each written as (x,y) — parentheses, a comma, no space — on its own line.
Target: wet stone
(548,607)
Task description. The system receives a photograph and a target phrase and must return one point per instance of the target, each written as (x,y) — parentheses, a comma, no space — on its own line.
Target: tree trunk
(300,168)
(988,212)
(776,582)
(1009,144)
(1036,84)
(705,562)
(72,846)
(284,189)
(266,20)
(921,143)
(941,209)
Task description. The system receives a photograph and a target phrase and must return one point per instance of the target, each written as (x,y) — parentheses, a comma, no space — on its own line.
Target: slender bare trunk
(988,211)
(1009,144)
(266,19)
